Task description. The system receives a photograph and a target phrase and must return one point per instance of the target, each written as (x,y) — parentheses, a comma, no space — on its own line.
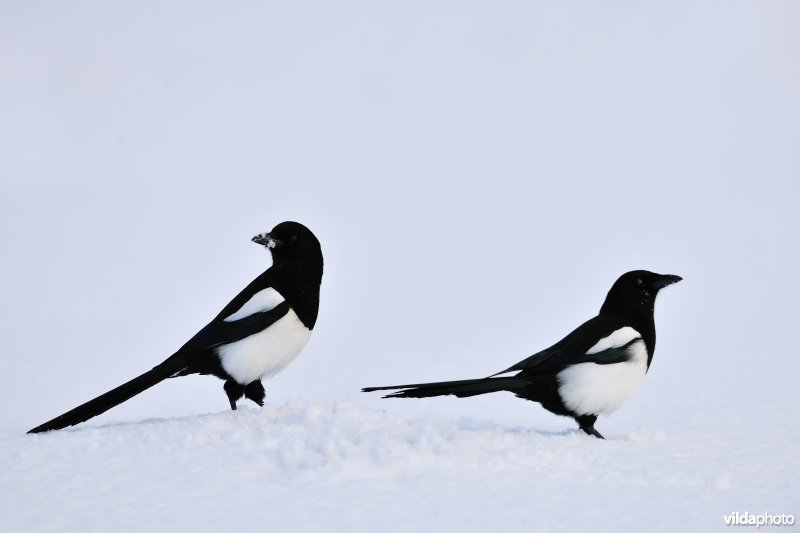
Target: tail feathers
(114,397)
(461,389)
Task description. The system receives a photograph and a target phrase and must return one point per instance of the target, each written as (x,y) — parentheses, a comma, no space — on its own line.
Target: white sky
(478,175)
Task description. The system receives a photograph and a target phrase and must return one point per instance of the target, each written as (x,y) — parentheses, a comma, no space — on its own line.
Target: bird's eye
(639,282)
(293,239)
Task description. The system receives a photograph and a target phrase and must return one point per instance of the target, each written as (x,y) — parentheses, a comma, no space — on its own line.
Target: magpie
(588,373)
(254,337)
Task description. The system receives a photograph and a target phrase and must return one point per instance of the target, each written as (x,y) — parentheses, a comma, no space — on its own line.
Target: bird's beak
(264,239)
(663,280)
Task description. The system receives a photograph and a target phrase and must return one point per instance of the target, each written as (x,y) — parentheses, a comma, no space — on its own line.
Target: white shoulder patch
(592,389)
(267,352)
(261,301)
(617,339)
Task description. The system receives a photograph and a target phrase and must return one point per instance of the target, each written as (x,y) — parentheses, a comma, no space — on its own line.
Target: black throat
(299,283)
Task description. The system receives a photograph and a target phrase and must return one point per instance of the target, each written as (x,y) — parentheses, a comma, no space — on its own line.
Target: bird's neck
(648,330)
(300,286)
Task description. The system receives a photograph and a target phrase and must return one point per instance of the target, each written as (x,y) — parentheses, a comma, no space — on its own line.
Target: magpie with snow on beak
(254,337)
(590,372)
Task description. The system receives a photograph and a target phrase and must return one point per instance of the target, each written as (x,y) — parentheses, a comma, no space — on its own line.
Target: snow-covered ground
(337,466)
(478,175)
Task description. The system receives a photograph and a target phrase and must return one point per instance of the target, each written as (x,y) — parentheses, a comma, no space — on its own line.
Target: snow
(478,175)
(338,466)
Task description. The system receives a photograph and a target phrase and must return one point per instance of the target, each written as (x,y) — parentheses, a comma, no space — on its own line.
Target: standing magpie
(255,336)
(588,373)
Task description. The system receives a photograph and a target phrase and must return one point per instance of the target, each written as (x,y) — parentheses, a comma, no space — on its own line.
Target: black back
(629,303)
(296,273)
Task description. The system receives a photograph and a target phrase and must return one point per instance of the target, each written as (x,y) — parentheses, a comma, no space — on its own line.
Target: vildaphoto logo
(758,520)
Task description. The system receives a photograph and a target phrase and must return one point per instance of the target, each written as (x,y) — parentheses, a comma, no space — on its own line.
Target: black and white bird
(590,372)
(255,336)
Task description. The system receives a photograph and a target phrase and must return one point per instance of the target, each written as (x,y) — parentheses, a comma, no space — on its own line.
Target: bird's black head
(633,295)
(292,243)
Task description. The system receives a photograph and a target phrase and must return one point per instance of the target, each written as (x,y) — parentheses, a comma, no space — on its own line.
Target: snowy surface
(478,175)
(337,466)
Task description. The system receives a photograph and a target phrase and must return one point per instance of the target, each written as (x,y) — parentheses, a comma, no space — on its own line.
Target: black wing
(572,349)
(219,332)
(263,281)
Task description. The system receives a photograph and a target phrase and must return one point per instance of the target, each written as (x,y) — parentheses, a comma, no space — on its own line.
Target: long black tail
(462,389)
(114,397)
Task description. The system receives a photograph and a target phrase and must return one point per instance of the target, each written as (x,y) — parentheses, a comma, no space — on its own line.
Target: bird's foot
(255,391)
(586,423)
(234,392)
(593,432)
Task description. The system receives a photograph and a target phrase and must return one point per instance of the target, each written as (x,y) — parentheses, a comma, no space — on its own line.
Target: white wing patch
(264,300)
(619,338)
(592,389)
(266,353)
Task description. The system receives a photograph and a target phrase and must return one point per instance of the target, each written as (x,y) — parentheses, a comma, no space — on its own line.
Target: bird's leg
(234,392)
(586,423)
(255,392)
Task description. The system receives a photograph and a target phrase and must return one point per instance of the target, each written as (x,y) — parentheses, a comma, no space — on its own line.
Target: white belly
(592,389)
(266,353)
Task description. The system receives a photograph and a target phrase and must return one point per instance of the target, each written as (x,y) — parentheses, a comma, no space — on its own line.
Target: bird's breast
(265,353)
(595,389)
